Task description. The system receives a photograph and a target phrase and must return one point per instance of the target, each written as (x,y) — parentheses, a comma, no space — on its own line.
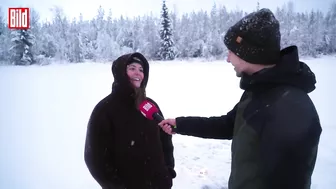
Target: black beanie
(135,59)
(255,38)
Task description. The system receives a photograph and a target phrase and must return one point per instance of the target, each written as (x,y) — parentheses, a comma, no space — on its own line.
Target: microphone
(151,112)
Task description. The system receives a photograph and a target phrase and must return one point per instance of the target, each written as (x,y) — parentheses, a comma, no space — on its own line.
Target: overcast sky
(73,8)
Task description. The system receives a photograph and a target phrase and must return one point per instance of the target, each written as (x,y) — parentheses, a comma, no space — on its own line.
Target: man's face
(238,64)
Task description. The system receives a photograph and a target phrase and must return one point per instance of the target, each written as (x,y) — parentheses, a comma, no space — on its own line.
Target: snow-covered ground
(44,111)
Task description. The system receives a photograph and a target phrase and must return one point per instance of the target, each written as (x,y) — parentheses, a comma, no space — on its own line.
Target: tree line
(198,34)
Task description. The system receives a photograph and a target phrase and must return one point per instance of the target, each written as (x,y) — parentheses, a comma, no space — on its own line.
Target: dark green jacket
(274,128)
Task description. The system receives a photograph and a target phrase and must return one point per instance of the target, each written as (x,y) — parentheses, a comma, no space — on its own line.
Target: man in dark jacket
(275,128)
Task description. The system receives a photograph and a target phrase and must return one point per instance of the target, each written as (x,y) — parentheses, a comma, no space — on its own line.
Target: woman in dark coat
(123,149)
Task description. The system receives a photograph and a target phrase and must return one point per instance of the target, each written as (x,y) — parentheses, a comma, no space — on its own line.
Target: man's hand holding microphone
(166,125)
(151,112)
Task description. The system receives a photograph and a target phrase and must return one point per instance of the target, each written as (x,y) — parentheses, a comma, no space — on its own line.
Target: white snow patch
(44,112)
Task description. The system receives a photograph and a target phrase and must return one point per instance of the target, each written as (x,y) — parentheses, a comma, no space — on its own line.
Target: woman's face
(135,74)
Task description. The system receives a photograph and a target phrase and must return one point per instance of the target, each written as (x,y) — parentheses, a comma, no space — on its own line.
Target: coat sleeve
(167,146)
(97,147)
(220,127)
(289,141)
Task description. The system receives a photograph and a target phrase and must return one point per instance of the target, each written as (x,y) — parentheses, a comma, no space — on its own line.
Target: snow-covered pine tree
(75,53)
(166,51)
(109,24)
(124,35)
(60,30)
(4,38)
(87,38)
(36,31)
(214,43)
(48,41)
(21,51)
(2,22)
(330,22)
(150,39)
(175,24)
(185,43)
(258,6)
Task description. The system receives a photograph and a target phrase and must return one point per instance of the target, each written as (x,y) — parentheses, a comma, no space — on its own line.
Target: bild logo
(18,18)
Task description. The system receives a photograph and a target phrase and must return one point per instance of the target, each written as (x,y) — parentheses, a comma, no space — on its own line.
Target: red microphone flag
(148,109)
